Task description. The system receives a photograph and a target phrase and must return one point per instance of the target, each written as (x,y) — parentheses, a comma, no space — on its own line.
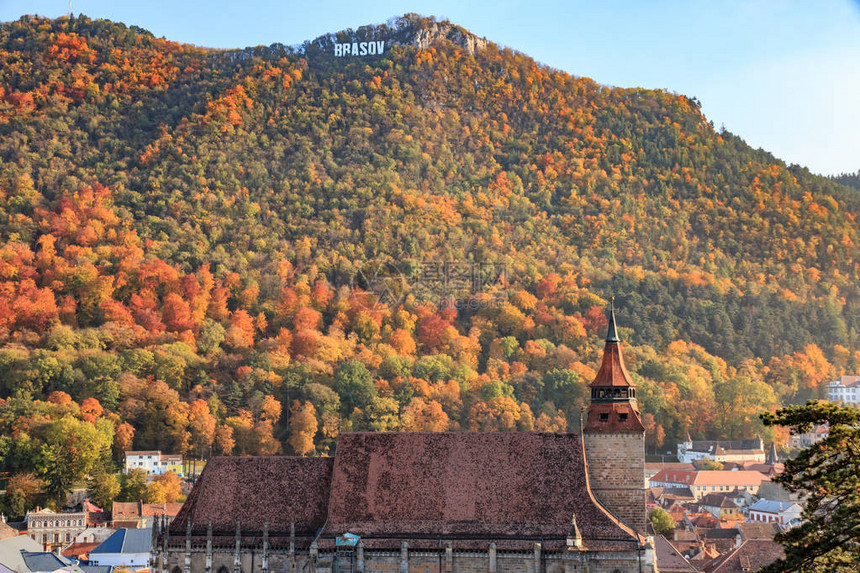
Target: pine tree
(827,475)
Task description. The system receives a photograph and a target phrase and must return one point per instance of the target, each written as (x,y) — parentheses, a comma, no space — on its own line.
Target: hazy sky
(782,74)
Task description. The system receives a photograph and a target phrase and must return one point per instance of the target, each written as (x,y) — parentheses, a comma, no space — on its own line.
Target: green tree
(103,488)
(662,521)
(827,475)
(132,485)
(354,384)
(21,493)
(71,451)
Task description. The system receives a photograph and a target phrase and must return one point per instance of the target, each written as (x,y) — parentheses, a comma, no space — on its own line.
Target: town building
(139,515)
(704,482)
(785,513)
(52,529)
(738,451)
(845,390)
(651,468)
(153,462)
(126,548)
(818,433)
(454,502)
(722,506)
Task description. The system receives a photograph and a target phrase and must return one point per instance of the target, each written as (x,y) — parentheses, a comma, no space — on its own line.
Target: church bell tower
(614,437)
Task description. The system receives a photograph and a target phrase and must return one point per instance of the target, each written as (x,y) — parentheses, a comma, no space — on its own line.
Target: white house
(781,512)
(845,390)
(126,548)
(738,451)
(154,462)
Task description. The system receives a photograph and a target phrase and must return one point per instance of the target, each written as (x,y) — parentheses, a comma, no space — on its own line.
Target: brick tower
(614,437)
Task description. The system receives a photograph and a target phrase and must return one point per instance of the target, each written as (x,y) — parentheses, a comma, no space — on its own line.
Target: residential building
(52,529)
(845,390)
(139,515)
(818,433)
(126,548)
(154,462)
(785,513)
(455,502)
(709,481)
(722,506)
(738,451)
(651,468)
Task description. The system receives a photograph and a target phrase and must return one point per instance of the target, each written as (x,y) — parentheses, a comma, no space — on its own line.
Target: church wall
(616,472)
(417,562)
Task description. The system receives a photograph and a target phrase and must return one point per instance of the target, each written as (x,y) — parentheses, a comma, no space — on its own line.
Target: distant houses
(737,451)
(704,482)
(139,515)
(845,390)
(153,462)
(785,513)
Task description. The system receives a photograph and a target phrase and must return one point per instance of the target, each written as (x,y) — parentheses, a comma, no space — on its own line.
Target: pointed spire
(612,331)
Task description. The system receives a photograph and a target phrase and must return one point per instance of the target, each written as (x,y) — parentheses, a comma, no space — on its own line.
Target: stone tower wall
(616,472)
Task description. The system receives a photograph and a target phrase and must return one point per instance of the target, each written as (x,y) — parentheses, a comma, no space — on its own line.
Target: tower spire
(612,331)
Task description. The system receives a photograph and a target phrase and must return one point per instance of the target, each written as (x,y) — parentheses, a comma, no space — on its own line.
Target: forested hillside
(251,251)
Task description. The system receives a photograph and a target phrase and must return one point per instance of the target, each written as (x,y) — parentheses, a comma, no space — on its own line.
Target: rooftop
(126,541)
(513,487)
(752,555)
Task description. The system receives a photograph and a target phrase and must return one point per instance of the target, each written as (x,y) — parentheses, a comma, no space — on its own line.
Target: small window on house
(604,417)
(622,417)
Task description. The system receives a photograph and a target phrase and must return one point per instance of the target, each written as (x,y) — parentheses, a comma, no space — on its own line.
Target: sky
(782,74)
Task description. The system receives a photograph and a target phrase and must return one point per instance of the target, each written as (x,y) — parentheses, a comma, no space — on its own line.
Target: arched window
(176,570)
(223,569)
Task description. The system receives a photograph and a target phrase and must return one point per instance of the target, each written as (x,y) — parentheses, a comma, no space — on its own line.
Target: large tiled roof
(466,485)
(258,490)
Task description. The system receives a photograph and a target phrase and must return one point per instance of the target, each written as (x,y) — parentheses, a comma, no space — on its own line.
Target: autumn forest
(248,252)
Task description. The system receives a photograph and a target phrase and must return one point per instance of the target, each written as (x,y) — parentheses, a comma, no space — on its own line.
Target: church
(431,502)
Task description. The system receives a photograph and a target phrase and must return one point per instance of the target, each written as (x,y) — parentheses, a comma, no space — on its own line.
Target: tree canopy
(827,477)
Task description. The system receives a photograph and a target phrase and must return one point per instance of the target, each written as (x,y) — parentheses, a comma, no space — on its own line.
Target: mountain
(283,228)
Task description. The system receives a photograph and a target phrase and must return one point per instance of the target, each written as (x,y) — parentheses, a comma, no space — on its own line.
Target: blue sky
(782,74)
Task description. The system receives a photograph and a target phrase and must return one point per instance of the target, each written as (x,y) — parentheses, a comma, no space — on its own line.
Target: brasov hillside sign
(359,48)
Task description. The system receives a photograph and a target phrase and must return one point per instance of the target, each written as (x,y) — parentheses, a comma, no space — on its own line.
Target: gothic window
(223,569)
(176,570)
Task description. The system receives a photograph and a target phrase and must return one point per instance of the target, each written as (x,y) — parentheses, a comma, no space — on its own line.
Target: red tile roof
(752,555)
(124,510)
(80,550)
(467,485)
